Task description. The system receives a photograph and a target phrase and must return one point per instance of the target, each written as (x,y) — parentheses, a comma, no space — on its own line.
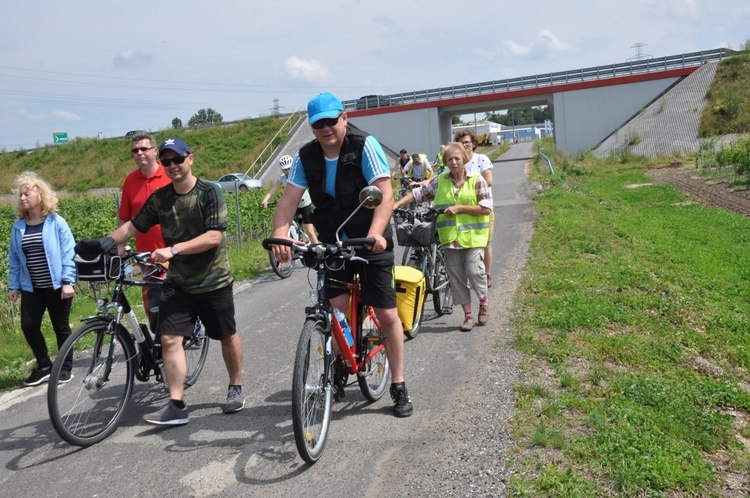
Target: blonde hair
(47,195)
(457,147)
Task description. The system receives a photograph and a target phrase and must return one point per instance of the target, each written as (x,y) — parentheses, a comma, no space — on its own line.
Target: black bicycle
(109,350)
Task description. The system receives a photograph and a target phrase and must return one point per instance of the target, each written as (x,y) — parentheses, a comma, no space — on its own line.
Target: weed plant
(634,314)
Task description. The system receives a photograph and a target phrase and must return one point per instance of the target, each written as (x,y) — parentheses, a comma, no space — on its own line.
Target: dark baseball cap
(176,144)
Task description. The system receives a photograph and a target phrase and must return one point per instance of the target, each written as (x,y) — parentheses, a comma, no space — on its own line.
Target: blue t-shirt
(374,166)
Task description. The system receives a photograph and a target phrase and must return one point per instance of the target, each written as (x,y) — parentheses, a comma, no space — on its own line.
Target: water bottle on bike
(341,317)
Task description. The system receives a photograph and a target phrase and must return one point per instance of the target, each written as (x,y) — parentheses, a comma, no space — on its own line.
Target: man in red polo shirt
(138,186)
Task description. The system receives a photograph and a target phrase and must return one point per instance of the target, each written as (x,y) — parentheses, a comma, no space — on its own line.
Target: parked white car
(240,180)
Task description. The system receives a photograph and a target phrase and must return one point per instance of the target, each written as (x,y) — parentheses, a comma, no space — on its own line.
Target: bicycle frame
(324,312)
(114,312)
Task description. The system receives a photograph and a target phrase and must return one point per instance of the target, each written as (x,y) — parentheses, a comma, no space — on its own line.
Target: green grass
(87,163)
(634,319)
(727,108)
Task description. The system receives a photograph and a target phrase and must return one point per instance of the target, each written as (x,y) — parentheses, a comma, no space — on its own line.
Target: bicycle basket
(97,267)
(419,233)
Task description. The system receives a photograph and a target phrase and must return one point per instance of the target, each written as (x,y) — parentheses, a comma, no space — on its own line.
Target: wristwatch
(174,250)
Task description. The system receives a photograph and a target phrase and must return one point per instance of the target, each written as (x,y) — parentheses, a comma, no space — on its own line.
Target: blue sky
(92,68)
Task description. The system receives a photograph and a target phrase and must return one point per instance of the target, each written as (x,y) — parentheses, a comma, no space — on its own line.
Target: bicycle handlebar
(421,212)
(327,249)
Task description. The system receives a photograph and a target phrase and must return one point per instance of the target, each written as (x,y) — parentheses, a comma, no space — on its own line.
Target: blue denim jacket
(58,247)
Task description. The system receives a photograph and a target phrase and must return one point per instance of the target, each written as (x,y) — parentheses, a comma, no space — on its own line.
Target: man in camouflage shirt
(193,217)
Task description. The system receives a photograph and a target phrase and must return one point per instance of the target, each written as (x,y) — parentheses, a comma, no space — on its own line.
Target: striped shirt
(36,259)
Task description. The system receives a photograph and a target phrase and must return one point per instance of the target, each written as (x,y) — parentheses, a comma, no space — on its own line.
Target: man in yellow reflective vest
(418,168)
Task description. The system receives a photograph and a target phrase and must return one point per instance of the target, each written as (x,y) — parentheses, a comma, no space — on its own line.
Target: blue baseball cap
(324,105)
(176,144)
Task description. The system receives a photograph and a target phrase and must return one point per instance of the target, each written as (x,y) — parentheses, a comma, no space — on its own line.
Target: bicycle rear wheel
(375,375)
(311,393)
(196,352)
(88,408)
(442,296)
(283,270)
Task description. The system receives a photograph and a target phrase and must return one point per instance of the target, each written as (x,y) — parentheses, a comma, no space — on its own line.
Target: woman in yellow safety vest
(463,228)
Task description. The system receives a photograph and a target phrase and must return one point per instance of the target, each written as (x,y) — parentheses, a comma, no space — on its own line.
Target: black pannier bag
(96,260)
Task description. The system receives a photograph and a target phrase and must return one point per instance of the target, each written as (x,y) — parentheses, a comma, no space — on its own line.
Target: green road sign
(60,137)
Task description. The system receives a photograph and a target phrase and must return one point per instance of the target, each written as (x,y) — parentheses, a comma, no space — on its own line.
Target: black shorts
(376,279)
(178,310)
(305,213)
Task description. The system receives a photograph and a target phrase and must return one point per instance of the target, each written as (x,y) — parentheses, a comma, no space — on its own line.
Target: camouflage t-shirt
(183,217)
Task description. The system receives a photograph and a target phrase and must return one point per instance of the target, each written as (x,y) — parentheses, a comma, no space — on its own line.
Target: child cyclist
(305,206)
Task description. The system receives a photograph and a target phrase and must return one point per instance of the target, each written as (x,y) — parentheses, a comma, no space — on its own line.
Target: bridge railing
(543,80)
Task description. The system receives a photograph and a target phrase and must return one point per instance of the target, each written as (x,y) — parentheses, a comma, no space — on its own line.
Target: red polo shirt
(136,189)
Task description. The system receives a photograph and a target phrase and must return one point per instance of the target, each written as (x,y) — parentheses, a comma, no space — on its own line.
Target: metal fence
(542,80)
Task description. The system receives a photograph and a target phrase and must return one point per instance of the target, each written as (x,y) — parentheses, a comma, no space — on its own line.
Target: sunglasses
(175,160)
(136,150)
(330,122)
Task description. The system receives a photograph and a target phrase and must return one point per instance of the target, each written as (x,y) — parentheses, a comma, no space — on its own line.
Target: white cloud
(310,71)
(66,115)
(546,45)
(132,58)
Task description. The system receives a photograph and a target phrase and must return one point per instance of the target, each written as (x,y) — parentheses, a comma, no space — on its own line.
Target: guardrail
(287,124)
(548,162)
(542,80)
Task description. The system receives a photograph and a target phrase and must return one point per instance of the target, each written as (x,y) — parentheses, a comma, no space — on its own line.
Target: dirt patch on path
(708,192)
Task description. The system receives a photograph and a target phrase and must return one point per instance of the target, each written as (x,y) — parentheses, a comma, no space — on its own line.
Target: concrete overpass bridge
(588,104)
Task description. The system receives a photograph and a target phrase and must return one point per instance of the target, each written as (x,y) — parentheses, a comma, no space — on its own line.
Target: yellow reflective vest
(425,161)
(471,230)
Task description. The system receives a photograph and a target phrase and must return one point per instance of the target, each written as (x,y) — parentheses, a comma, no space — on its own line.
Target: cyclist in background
(304,208)
(418,169)
(401,161)
(479,163)
(439,164)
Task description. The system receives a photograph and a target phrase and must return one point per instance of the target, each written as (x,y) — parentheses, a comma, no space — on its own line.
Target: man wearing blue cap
(193,217)
(335,166)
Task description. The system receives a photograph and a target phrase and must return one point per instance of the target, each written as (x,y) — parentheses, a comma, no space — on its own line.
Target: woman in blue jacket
(42,269)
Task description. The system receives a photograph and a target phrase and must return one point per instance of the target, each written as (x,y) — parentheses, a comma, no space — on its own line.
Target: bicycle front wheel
(375,375)
(87,408)
(442,296)
(311,393)
(412,257)
(196,352)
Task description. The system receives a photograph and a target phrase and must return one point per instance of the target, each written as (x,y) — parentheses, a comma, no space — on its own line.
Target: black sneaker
(38,376)
(402,405)
(168,414)
(65,377)
(235,400)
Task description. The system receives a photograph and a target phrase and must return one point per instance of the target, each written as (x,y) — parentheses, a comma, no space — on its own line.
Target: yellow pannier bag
(409,296)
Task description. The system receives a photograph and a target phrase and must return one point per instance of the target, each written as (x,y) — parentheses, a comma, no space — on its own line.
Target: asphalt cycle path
(252,453)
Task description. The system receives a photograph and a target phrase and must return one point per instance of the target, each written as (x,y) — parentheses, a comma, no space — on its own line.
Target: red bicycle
(320,370)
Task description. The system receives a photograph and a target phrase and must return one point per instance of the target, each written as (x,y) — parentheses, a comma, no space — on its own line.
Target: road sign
(60,137)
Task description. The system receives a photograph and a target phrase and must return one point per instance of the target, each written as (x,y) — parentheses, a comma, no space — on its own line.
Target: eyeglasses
(136,150)
(175,160)
(331,122)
